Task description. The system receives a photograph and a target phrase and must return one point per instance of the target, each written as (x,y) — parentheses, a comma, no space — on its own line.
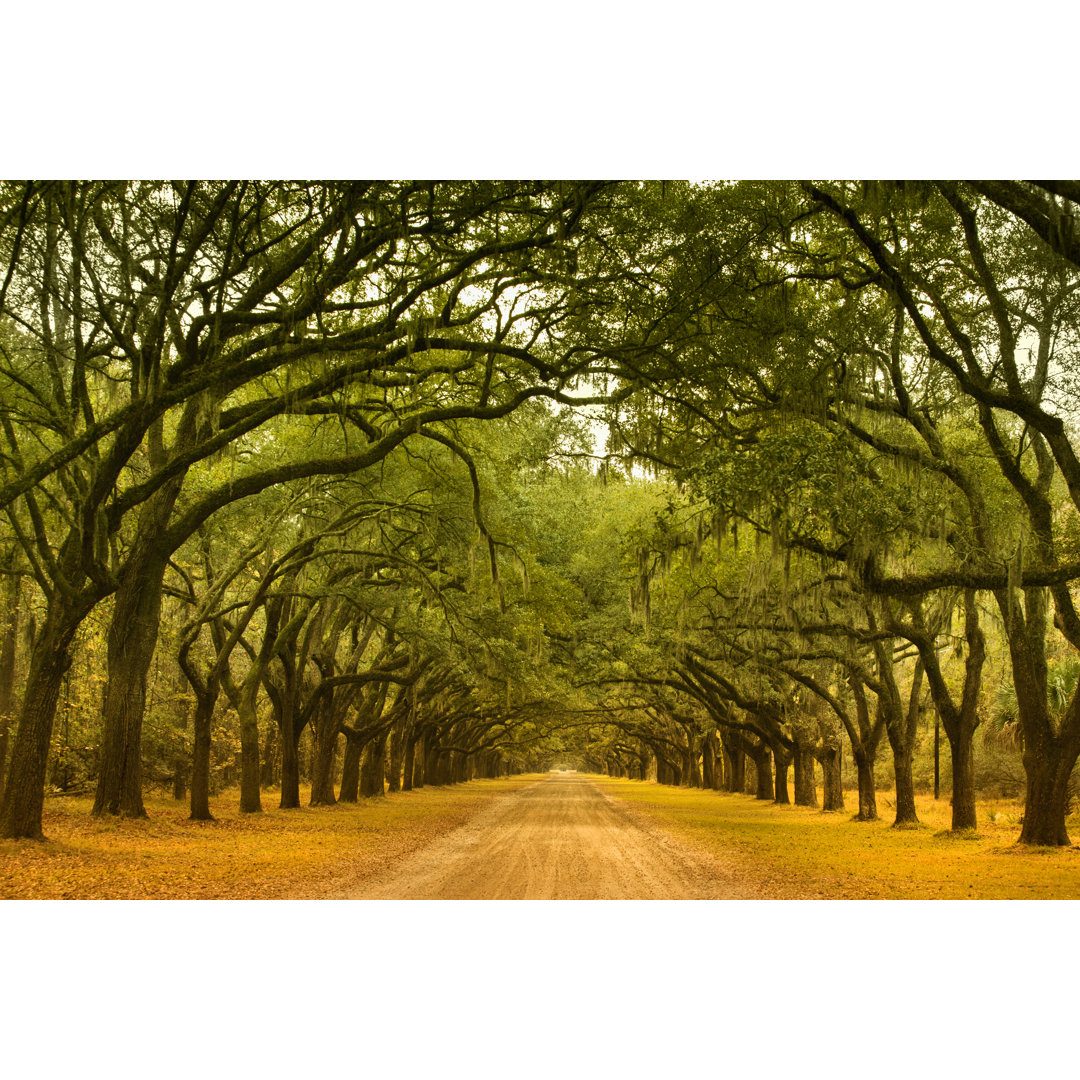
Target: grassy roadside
(300,854)
(799,852)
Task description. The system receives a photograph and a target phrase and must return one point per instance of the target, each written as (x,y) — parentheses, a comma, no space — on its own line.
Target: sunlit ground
(310,852)
(804,852)
(325,851)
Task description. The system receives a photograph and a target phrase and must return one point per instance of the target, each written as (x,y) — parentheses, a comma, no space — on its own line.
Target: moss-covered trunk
(50,657)
(1048,766)
(24,791)
(132,638)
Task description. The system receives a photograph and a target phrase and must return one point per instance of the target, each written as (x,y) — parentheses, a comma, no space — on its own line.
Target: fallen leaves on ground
(308,853)
(796,852)
(315,852)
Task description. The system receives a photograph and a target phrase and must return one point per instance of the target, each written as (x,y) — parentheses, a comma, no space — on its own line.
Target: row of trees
(883,393)
(342,442)
(173,350)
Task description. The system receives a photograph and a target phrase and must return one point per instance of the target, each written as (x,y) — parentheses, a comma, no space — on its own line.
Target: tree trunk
(805,780)
(959,720)
(8,643)
(24,792)
(408,767)
(419,761)
(1048,766)
(290,772)
(906,813)
(963,784)
(708,761)
(322,770)
(667,772)
(737,763)
(735,772)
(200,757)
(397,752)
(132,638)
(937,757)
(50,657)
(865,737)
(290,753)
(458,766)
(350,771)
(439,771)
(864,767)
(690,772)
(763,761)
(432,757)
(901,727)
(373,767)
(833,791)
(1050,749)
(270,755)
(250,797)
(782,759)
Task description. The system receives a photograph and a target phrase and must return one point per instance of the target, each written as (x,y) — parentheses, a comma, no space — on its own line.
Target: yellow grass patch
(279,854)
(799,852)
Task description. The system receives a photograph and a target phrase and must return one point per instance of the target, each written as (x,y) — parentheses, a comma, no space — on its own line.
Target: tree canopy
(397,483)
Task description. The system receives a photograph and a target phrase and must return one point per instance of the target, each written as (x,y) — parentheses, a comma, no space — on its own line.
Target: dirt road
(561,838)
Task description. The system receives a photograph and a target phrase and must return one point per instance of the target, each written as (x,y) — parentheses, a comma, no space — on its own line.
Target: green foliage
(350,416)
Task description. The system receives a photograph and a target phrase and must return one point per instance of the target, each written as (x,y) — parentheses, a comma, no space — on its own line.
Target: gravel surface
(562,838)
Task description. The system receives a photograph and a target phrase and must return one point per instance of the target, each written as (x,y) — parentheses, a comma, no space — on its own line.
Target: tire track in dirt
(562,838)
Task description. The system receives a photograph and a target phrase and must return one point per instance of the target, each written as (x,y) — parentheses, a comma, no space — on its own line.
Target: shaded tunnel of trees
(358,487)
